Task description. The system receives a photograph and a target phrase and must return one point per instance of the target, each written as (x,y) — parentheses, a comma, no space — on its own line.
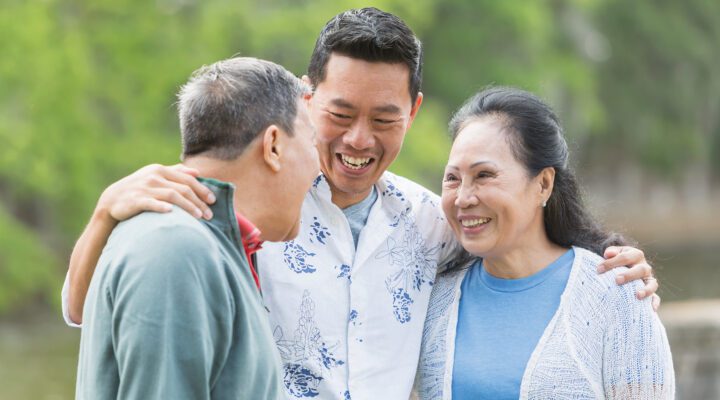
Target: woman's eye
(449,178)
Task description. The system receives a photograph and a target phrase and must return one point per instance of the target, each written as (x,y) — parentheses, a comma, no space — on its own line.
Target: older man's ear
(272,147)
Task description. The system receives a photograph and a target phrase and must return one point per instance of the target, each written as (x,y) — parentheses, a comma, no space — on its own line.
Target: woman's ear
(547,182)
(273,147)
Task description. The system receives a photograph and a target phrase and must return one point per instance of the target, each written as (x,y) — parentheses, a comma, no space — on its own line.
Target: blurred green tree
(87,91)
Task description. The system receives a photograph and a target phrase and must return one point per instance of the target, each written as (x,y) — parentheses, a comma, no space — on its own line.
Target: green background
(87,93)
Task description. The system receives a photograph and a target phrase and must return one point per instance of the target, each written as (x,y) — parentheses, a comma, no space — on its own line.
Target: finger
(638,271)
(201,191)
(138,206)
(154,205)
(656,302)
(174,197)
(189,194)
(186,170)
(612,251)
(628,256)
(651,286)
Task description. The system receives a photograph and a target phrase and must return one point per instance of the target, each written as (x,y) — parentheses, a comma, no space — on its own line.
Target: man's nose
(359,136)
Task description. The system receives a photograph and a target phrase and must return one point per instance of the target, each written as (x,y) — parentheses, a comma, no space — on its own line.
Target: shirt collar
(387,191)
(249,233)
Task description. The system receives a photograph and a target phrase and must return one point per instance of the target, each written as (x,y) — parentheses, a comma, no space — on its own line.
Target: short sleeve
(64,301)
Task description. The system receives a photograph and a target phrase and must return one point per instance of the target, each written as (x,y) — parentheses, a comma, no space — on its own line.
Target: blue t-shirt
(499,324)
(357,214)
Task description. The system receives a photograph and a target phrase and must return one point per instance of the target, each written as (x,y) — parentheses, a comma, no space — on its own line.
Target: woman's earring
(544,203)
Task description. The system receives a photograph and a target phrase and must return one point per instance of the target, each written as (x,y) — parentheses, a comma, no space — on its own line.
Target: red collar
(251,242)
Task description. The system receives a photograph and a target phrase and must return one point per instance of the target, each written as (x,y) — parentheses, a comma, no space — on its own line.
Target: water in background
(687,271)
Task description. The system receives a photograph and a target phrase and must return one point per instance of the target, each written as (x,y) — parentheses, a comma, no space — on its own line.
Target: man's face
(303,169)
(362,111)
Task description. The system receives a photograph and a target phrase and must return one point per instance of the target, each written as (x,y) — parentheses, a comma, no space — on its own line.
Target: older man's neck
(250,198)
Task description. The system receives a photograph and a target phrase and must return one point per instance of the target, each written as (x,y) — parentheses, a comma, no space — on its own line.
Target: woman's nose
(465,196)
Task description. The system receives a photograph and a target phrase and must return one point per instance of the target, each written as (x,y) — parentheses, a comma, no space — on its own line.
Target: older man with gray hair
(174,311)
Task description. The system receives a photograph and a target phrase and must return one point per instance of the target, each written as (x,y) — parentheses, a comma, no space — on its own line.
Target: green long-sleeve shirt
(172,312)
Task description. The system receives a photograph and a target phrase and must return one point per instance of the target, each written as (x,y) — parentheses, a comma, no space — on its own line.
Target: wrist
(102,216)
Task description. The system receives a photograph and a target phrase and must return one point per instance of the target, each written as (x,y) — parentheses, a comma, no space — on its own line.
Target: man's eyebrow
(342,104)
(385,108)
(388,108)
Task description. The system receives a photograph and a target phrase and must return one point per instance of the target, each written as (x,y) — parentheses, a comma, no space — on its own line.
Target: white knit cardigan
(602,343)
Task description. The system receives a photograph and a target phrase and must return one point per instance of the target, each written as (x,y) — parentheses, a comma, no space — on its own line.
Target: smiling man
(348,297)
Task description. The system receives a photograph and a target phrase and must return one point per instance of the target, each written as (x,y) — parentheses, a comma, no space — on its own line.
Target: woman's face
(491,203)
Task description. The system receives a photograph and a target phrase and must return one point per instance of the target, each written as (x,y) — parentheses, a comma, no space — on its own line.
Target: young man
(174,311)
(347,303)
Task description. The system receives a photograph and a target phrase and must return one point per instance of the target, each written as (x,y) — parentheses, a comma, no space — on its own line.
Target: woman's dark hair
(537,141)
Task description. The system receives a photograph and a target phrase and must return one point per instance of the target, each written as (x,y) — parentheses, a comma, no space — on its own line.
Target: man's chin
(351,185)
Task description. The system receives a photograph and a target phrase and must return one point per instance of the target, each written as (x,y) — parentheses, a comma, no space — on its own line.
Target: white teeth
(353,162)
(468,223)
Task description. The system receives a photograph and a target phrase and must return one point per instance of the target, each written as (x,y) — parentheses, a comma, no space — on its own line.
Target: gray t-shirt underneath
(357,214)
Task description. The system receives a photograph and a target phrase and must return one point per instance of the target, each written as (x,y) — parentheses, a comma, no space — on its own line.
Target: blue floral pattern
(401,305)
(417,262)
(317,181)
(344,271)
(300,382)
(306,356)
(296,258)
(318,231)
(426,198)
(392,190)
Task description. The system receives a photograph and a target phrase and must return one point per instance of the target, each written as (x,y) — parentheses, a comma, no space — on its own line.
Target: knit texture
(601,343)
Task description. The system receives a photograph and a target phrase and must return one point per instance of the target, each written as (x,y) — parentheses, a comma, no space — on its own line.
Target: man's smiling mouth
(355,163)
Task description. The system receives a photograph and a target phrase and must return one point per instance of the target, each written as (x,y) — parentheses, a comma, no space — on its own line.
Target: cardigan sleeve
(637,363)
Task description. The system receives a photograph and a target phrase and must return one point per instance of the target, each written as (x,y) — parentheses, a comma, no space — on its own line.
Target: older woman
(527,316)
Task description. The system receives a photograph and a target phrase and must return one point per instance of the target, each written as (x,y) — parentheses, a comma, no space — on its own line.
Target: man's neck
(236,172)
(347,199)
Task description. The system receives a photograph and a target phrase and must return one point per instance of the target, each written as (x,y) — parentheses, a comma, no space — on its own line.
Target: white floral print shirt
(349,322)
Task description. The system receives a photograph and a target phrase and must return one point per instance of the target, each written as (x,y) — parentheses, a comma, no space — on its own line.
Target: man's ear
(272,147)
(415,108)
(306,80)
(308,96)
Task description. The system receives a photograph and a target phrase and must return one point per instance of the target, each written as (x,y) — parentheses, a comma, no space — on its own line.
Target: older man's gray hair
(226,105)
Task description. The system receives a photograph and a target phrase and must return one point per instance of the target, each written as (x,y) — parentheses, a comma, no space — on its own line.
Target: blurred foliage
(87,91)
